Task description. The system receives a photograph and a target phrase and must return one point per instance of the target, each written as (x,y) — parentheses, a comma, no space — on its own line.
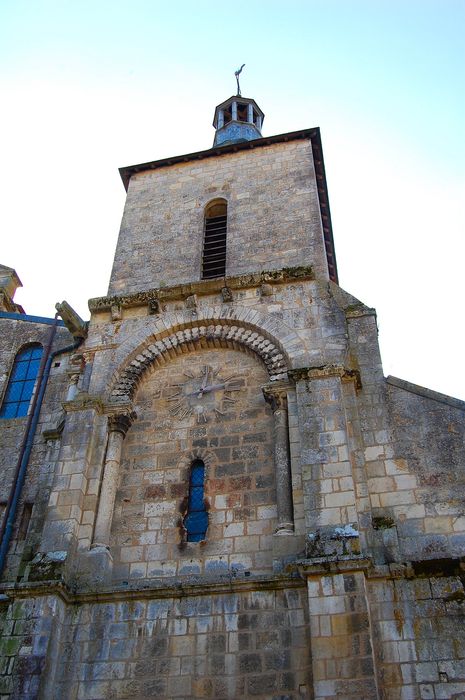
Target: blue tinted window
(22,381)
(196,520)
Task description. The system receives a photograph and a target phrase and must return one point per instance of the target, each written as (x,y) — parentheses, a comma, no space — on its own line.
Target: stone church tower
(210,490)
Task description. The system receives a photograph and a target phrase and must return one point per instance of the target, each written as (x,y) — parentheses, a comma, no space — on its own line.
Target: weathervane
(237,74)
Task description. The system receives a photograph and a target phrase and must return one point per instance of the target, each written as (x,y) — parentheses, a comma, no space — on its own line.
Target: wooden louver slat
(214,247)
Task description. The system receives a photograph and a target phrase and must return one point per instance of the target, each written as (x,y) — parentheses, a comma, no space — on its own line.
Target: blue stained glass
(23,408)
(197,474)
(196,524)
(20,370)
(21,383)
(33,369)
(28,388)
(14,392)
(9,410)
(196,520)
(196,498)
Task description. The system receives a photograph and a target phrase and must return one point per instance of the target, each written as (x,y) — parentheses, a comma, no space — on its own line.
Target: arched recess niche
(237,449)
(158,349)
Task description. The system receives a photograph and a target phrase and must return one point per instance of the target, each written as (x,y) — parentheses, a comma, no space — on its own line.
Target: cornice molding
(153,298)
(84,401)
(152,590)
(325,371)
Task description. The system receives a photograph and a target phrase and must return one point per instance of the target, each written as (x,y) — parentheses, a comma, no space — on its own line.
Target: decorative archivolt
(157,351)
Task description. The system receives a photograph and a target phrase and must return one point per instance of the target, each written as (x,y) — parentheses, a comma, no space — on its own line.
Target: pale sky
(88,86)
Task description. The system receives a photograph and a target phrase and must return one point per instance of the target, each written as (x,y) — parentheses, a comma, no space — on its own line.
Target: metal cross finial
(237,74)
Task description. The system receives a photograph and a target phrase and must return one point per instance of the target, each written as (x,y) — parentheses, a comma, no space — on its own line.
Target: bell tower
(236,120)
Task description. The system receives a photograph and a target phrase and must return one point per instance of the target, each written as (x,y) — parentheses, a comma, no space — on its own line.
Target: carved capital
(121,422)
(276,396)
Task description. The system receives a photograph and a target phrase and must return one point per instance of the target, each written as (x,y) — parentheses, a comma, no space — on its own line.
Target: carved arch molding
(161,350)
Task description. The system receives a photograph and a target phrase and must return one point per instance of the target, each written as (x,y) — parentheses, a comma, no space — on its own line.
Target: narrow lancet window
(21,383)
(196,520)
(214,242)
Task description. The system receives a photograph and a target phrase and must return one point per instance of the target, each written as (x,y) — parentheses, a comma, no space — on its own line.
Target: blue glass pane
(196,521)
(25,354)
(8,410)
(197,475)
(28,388)
(14,391)
(23,408)
(21,384)
(19,370)
(196,524)
(196,498)
(33,370)
(195,536)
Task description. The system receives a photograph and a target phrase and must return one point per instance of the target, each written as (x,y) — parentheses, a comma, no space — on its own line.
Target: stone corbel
(266,290)
(115,312)
(191,302)
(154,306)
(226,295)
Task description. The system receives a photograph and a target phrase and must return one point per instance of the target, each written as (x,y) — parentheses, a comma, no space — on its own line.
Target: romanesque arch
(196,334)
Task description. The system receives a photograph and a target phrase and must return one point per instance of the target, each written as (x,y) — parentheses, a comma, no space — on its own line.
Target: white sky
(90,86)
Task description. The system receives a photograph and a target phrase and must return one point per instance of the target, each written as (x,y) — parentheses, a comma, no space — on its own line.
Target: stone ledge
(159,588)
(333,565)
(325,371)
(159,295)
(425,393)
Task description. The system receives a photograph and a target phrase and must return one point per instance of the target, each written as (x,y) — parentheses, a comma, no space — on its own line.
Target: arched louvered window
(214,242)
(196,520)
(21,383)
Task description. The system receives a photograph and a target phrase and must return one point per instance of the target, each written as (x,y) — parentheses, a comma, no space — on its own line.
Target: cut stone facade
(333,562)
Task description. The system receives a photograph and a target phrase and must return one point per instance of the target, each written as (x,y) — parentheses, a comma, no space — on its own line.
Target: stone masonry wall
(419,637)
(303,318)
(429,433)
(161,236)
(250,644)
(231,431)
(14,335)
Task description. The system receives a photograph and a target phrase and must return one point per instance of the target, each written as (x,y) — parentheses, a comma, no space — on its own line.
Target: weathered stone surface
(104,595)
